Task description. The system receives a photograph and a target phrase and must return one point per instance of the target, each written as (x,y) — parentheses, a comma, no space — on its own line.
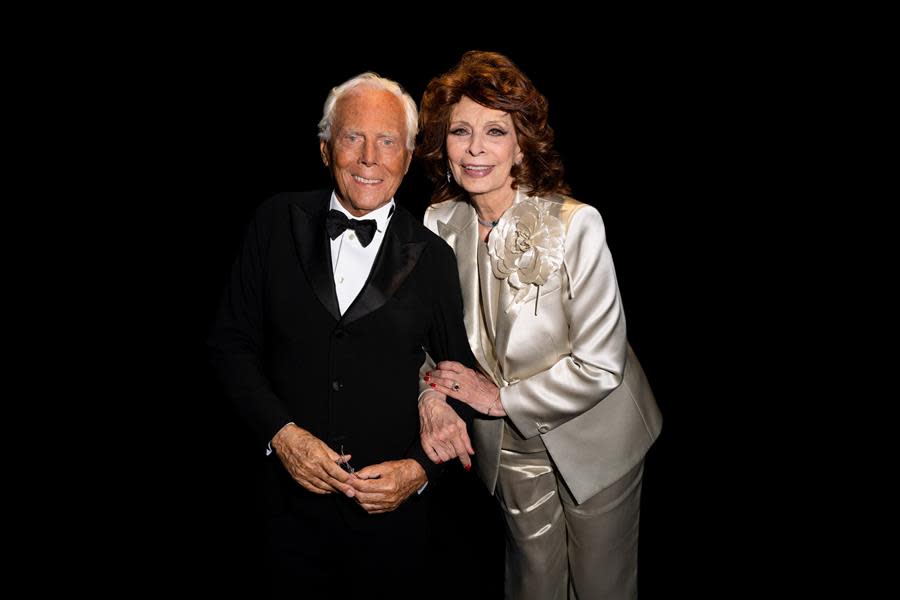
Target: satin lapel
(461,234)
(314,250)
(395,261)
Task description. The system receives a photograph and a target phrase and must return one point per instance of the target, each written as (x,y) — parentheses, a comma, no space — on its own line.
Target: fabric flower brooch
(526,247)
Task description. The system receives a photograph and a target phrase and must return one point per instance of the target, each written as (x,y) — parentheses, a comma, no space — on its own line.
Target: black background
(652,132)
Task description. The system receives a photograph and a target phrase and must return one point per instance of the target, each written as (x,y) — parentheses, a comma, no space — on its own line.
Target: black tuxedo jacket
(283,351)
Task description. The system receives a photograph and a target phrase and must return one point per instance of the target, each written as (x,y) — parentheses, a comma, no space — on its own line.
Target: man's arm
(236,339)
(444,423)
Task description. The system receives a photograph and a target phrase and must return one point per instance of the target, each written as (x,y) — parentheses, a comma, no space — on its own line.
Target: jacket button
(339,333)
(336,385)
(544,428)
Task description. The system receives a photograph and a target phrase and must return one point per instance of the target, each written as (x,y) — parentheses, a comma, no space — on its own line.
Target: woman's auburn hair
(492,80)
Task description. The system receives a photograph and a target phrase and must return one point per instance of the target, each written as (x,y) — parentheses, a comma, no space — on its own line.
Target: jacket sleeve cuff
(432,471)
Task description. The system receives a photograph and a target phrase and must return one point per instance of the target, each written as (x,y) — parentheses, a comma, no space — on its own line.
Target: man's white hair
(372,80)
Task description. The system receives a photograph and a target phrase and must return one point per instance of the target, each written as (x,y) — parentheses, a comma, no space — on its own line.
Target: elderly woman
(566,413)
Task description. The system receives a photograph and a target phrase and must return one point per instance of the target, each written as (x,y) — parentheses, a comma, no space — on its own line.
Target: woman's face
(482,149)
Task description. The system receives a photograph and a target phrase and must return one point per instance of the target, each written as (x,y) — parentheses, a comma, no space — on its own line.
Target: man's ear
(323,150)
(408,162)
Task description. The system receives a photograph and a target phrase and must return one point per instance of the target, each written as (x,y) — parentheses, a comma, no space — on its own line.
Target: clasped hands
(377,488)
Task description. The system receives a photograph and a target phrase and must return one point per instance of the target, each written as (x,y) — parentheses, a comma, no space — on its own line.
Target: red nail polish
(434,385)
(427,377)
(468,467)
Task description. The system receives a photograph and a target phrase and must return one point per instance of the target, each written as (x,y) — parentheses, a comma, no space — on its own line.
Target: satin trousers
(555,548)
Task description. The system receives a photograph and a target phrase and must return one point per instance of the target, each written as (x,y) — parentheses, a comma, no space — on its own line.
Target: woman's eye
(496,131)
(458,131)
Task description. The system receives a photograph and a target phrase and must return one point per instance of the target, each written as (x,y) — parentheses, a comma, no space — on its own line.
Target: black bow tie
(337,222)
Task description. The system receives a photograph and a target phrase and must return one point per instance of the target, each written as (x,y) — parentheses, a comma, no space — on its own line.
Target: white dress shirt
(350,261)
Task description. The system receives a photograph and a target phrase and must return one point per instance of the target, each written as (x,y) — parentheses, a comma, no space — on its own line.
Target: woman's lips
(477,170)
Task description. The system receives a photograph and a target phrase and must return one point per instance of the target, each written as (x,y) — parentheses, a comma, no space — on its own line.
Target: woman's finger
(444,381)
(446,390)
(445,386)
(442,373)
(450,365)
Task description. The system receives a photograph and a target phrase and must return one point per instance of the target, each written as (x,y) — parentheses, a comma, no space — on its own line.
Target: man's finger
(335,471)
(462,442)
(459,449)
(370,472)
(461,453)
(370,486)
(442,450)
(429,450)
(313,483)
(334,456)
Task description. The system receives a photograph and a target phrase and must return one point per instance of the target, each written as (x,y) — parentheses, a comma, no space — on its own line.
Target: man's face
(367,152)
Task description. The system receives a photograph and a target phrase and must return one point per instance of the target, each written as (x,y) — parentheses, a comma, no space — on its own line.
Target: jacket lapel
(314,251)
(460,232)
(394,262)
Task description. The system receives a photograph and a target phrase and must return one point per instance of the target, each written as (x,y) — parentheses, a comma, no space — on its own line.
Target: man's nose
(369,153)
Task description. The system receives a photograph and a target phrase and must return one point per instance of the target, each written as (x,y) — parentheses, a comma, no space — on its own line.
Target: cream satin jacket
(562,362)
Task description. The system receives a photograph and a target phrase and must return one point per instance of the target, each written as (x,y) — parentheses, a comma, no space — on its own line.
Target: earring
(448,174)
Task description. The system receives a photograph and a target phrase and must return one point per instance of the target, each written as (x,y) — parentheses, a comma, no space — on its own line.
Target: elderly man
(333,300)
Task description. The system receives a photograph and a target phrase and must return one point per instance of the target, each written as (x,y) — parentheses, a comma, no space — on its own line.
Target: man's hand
(382,487)
(442,431)
(310,462)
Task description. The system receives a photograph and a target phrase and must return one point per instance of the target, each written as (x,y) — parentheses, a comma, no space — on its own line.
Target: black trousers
(328,547)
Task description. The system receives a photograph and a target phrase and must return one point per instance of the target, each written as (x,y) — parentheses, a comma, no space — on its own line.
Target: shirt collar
(382,214)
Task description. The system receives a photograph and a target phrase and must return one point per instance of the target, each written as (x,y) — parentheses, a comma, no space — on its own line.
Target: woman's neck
(490,207)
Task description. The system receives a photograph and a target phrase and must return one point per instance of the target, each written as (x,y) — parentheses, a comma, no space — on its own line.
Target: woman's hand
(473,388)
